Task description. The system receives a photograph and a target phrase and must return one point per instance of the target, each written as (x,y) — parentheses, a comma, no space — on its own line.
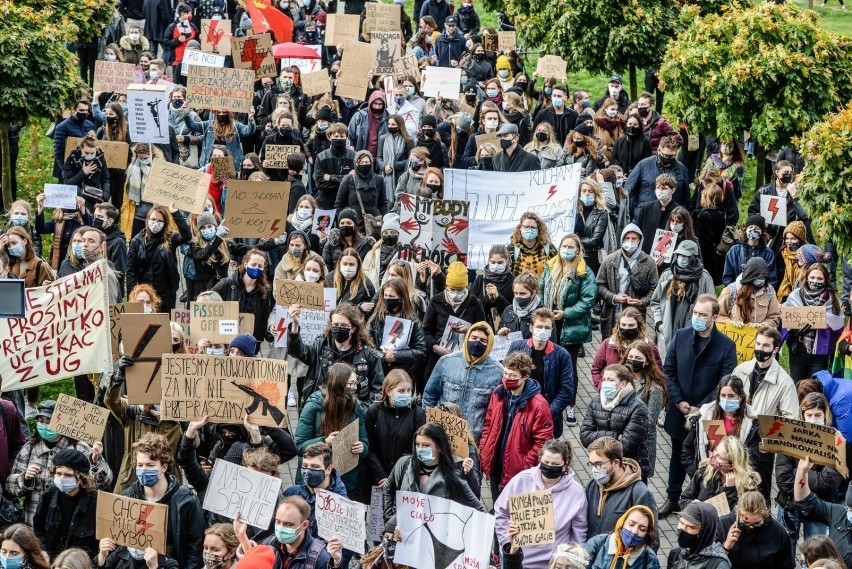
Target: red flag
(268,18)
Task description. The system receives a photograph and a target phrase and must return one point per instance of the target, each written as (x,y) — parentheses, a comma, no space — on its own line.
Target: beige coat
(767,310)
(776,395)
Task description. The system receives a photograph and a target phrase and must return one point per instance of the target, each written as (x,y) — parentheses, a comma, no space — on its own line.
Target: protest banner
(501,346)
(312,324)
(255,53)
(551,66)
(533,512)
(455,427)
(114,76)
(181,317)
(396,333)
(223,168)
(343,458)
(743,338)
(219,89)
(714,430)
(306,295)
(800,439)
(375,515)
(720,502)
(224,389)
(115,312)
(438,533)
(172,185)
(256,209)
(497,200)
(341,518)
(323,221)
(664,245)
(433,229)
(60,196)
(796,317)
(276,155)
(316,83)
(507,41)
(130,522)
(358,59)
(65,331)
(216,36)
(342,29)
(196,57)
(444,82)
(388,49)
(453,334)
(217,322)
(382,17)
(148,113)
(774,210)
(78,420)
(145,337)
(306,65)
(233,488)
(116,154)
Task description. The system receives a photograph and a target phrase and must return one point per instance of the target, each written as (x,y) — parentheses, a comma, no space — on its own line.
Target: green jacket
(574,295)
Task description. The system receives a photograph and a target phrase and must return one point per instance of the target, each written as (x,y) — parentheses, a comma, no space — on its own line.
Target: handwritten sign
(409,67)
(441,81)
(114,76)
(148,113)
(533,512)
(743,338)
(215,36)
(312,324)
(223,168)
(195,57)
(277,154)
(306,295)
(551,66)
(115,153)
(664,245)
(234,488)
(79,420)
(131,522)
(433,229)
(720,502)
(382,17)
(508,41)
(255,53)
(714,430)
(388,49)
(146,337)
(60,196)
(375,515)
(358,59)
(115,312)
(316,83)
(214,321)
(256,209)
(796,317)
(341,518)
(224,388)
(800,439)
(342,457)
(342,29)
(454,426)
(220,89)
(172,185)
(502,344)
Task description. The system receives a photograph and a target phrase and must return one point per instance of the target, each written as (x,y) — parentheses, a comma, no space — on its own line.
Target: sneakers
(291,397)
(570,418)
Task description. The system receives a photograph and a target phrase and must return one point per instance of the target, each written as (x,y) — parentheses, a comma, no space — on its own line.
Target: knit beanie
(246,344)
(390,222)
(205,218)
(797,228)
(347,213)
(457,275)
(757,220)
(809,254)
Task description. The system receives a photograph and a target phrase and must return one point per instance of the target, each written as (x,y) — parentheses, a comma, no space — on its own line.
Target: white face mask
(155,226)
(312,277)
(492,123)
(303,213)
(611,113)
(348,272)
(614,92)
(541,335)
(109,57)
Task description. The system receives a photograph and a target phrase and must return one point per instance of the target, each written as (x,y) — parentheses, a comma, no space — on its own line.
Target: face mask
(364,169)
(614,92)
(338,144)
(134,37)
(699,324)
(16,250)
(20,220)
(558,102)
(758,283)
(175,347)
(476,349)
(729,405)
(506,144)
(427,133)
(551,472)
(635,365)
(628,333)
(633,130)
(630,247)
(786,177)
(347,231)
(644,111)
(341,333)
(348,272)
(470,99)
(303,213)
(46,433)
(497,268)
(763,356)
(612,113)
(492,124)
(402,400)
(506,106)
(177,103)
(600,474)
(567,254)
(425,455)
(153,75)
(409,91)
(285,535)
(665,161)
(155,226)
(579,143)
(77,250)
(254,272)
(542,335)
(662,195)
(587,200)
(212,561)
(322,127)
(609,389)
(816,286)
(208,234)
(753,234)
(491,92)
(541,136)
(145,162)
(147,309)
(630,539)
(215,351)
(136,554)
(148,476)
(682,261)
(686,540)
(820,422)
(392,304)
(312,277)
(313,477)
(15,562)
(109,57)
(503,73)
(677,227)
(529,234)
(65,484)
(619,183)
(81,116)
(285,131)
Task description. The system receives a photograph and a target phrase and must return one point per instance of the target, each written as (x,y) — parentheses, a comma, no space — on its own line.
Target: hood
(124,43)
(531,389)
(707,533)
(632,227)
(632,473)
(754,268)
(829,383)
(375,96)
(478,326)
(242,434)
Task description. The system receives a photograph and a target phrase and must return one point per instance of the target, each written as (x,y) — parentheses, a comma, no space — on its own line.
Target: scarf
(791,272)
(810,298)
(524,312)
(137,176)
(613,403)
(608,124)
(392,146)
(301,225)
(498,100)
(682,308)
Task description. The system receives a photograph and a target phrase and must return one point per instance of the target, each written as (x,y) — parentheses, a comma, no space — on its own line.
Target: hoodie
(707,553)
(607,503)
(365,129)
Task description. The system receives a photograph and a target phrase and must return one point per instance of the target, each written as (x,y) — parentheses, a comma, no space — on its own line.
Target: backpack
(317,547)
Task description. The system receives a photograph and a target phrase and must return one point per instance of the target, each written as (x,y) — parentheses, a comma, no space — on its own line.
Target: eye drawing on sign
(265,395)
(451,225)
(450,544)
(155,111)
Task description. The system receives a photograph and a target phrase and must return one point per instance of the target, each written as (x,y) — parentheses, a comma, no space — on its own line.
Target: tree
(825,185)
(768,69)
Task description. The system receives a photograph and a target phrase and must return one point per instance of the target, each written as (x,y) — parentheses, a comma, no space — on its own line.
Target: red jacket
(531,427)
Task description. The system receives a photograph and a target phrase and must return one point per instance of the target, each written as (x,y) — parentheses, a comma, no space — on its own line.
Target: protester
(635,534)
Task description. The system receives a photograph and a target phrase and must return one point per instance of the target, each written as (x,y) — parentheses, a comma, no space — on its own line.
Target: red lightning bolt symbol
(773,207)
(551,192)
(802,483)
(281,328)
(212,32)
(664,243)
(251,54)
(715,436)
(395,330)
(142,524)
(776,426)
(274,227)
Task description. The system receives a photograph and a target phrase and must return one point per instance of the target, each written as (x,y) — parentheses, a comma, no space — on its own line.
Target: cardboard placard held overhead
(533,512)
(342,29)
(382,17)
(342,457)
(79,420)
(455,427)
(130,522)
(115,312)
(225,389)
(114,76)
(255,53)
(388,50)
(774,210)
(216,36)
(795,317)
(116,154)
(715,432)
(148,113)
(340,518)
(800,439)
(316,83)
(145,337)
(172,185)
(217,322)
(551,66)
(508,41)
(223,167)
(256,209)
(409,67)
(358,59)
(195,57)
(60,196)
(306,295)
(441,81)
(220,89)
(233,488)
(277,154)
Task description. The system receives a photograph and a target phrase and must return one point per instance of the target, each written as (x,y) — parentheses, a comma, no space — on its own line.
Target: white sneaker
(291,397)
(570,417)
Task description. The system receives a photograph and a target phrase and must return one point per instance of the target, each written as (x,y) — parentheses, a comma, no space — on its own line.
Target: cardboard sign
(215,36)
(79,420)
(409,67)
(743,338)
(114,76)
(220,89)
(246,324)
(255,53)
(795,317)
(223,168)
(323,221)
(172,185)
(720,502)
(341,518)
(277,154)
(388,49)
(145,337)
(132,523)
(375,515)
(396,333)
(454,426)
(774,210)
(60,196)
(148,113)
(225,389)
(358,59)
(433,229)
(342,29)
(214,321)
(441,81)
(233,488)
(195,57)
(382,17)
(342,457)
(115,312)
(664,245)
(256,209)
(533,511)
(501,346)
(800,439)
(316,83)
(488,138)
(116,154)
(306,295)
(507,41)
(551,66)
(715,432)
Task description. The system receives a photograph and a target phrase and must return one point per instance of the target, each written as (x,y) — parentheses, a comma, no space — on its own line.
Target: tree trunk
(633,86)
(34,135)
(6,169)
(810,4)
(760,173)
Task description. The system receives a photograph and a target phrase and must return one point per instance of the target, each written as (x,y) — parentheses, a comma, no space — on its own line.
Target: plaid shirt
(523,259)
(40,454)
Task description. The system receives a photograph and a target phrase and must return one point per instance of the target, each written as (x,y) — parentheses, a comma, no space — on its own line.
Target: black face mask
(112,120)
(223,119)
(434,188)
(524,302)
(479,56)
(175,348)
(633,131)
(644,112)
(286,131)
(347,231)
(635,365)
(541,136)
(364,169)
(340,333)
(506,144)
(338,144)
(628,333)
(391,240)
(579,143)
(665,161)
(427,133)
(551,472)
(787,177)
(393,129)
(98,223)
(762,356)
(686,540)
(81,116)
(393,304)
(471,99)
(521,86)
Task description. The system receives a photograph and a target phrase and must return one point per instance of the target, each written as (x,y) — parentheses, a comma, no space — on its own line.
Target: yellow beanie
(457,275)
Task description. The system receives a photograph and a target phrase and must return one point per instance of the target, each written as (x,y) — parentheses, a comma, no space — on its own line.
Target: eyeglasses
(514,376)
(597,464)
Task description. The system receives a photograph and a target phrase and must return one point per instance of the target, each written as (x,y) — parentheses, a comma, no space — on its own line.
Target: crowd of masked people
(661,370)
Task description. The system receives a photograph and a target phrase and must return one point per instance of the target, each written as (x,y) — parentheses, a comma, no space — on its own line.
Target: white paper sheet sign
(443,81)
(195,57)
(60,196)
(148,113)
(664,245)
(396,333)
(502,344)
(312,324)
(280,322)
(234,488)
(341,518)
(774,210)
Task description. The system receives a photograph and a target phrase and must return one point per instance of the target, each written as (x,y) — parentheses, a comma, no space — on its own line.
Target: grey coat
(662,311)
(608,284)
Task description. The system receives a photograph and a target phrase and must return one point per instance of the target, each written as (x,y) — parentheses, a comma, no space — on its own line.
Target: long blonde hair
(746,478)
(357,281)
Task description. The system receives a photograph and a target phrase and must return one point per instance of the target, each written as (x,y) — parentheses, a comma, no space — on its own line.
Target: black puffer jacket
(336,166)
(822,480)
(408,359)
(391,434)
(627,422)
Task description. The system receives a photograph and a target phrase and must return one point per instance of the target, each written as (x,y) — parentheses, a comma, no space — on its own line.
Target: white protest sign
(281,319)
(343,519)
(312,324)
(774,210)
(497,200)
(438,533)
(396,333)
(148,113)
(323,221)
(663,245)
(60,196)
(195,57)
(433,229)
(233,488)
(502,344)
(443,81)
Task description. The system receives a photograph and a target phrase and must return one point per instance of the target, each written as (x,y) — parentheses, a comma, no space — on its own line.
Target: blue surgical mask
(19,220)
(399,101)
(15,562)
(497,268)
(425,455)
(402,400)
(77,250)
(529,234)
(46,433)
(208,234)
(699,324)
(820,422)
(254,272)
(503,73)
(548,90)
(682,261)
(587,200)
(557,102)
(729,405)
(609,389)
(567,254)
(630,539)
(137,554)
(148,476)
(629,247)
(848,517)
(409,91)
(16,250)
(491,92)
(65,484)
(285,535)
(758,283)
(215,351)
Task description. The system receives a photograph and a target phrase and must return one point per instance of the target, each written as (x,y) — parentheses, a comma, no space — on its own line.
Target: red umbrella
(293,50)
